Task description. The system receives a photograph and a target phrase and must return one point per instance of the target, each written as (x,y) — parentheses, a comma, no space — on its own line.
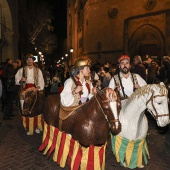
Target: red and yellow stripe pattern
(31,123)
(64,147)
(130,151)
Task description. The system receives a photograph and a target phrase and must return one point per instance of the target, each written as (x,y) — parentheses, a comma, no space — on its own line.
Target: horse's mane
(103,91)
(24,92)
(148,88)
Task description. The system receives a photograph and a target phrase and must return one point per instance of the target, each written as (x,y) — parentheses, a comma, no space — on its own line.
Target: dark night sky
(59,23)
(60,14)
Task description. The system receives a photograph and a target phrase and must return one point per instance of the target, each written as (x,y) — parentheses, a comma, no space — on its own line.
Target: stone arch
(7,33)
(147,39)
(6,14)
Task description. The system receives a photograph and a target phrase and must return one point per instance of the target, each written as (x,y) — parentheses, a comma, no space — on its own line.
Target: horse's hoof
(37,130)
(142,166)
(28,133)
(124,164)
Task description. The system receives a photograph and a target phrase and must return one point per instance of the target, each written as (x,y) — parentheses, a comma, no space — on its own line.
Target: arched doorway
(9,34)
(147,40)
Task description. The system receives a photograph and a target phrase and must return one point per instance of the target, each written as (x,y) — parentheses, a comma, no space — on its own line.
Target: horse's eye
(106,107)
(159,103)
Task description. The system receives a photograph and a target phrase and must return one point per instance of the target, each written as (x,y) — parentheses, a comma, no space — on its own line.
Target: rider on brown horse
(82,129)
(78,89)
(29,77)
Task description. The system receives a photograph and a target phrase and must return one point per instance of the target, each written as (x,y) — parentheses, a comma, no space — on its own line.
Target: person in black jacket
(8,82)
(138,67)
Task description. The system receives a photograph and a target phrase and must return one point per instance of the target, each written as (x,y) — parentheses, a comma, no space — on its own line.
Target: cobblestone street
(20,152)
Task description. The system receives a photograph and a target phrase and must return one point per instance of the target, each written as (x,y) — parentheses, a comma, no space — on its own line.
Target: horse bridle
(32,105)
(151,100)
(105,115)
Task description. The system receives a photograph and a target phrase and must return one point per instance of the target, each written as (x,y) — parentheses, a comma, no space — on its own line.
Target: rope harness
(105,115)
(151,100)
(32,105)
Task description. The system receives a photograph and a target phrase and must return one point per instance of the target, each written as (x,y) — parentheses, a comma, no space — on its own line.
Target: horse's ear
(116,89)
(102,93)
(154,87)
(98,90)
(162,84)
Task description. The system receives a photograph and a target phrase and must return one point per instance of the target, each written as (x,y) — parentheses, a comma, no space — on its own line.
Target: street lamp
(71,54)
(71,50)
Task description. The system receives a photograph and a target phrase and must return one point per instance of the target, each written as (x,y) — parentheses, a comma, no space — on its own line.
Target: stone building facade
(105,29)
(8,29)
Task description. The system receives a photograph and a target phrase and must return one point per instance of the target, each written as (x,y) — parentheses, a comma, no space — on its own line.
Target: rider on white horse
(126,82)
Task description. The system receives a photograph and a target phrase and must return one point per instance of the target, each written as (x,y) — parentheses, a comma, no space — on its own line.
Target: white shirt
(66,95)
(30,77)
(127,83)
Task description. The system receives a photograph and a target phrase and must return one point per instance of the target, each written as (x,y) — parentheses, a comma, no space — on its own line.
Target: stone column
(167,36)
(8,45)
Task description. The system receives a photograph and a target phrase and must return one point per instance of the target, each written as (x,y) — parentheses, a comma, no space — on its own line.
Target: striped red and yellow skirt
(31,123)
(64,147)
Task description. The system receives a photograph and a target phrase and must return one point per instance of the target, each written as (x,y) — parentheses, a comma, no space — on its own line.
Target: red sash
(29,86)
(79,84)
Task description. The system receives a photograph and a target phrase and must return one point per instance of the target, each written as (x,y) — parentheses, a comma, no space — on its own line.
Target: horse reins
(105,101)
(32,105)
(151,99)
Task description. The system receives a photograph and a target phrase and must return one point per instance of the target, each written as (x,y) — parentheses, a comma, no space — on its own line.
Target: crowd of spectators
(151,70)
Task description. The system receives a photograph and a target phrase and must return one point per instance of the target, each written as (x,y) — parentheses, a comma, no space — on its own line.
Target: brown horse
(90,123)
(31,104)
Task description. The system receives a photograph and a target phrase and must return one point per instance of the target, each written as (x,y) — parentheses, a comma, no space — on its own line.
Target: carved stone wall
(121,27)
(146,31)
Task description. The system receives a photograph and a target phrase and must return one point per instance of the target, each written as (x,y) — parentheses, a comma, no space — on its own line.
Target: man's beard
(124,70)
(29,64)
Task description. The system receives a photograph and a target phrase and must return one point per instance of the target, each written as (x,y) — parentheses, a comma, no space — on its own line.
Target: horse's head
(157,104)
(111,105)
(29,96)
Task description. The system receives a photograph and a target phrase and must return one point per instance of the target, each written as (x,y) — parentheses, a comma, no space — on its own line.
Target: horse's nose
(25,111)
(116,128)
(163,121)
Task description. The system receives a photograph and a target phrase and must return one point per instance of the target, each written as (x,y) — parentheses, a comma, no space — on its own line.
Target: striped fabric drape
(31,123)
(64,147)
(130,151)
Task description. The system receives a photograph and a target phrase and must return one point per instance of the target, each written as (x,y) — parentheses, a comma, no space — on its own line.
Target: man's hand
(23,79)
(94,90)
(137,86)
(78,89)
(37,88)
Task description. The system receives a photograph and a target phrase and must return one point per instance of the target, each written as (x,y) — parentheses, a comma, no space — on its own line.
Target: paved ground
(20,152)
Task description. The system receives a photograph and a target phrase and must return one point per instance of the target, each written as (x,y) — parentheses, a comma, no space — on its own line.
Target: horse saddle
(65,112)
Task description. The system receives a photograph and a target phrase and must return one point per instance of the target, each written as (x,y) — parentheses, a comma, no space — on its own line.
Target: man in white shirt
(30,76)
(125,80)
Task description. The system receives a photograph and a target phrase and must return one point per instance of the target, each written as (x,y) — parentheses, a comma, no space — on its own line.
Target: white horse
(130,144)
